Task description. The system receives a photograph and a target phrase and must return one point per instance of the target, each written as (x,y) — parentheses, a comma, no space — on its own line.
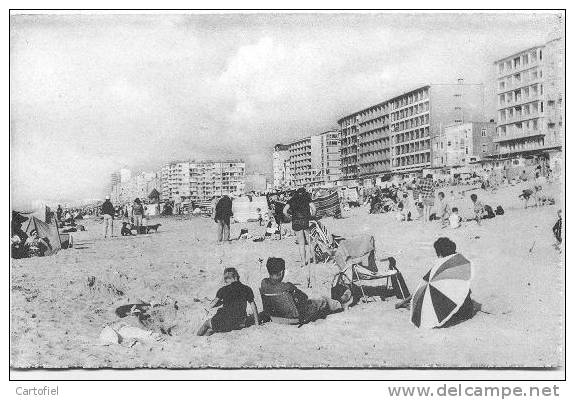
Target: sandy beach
(56,318)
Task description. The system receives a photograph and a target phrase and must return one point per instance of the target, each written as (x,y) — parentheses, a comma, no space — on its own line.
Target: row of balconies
(412,111)
(519,117)
(411,123)
(514,84)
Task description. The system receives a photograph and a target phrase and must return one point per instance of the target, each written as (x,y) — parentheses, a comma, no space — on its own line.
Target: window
(484,148)
(448,143)
(483,132)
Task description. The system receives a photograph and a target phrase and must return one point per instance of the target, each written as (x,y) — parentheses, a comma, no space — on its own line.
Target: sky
(91,94)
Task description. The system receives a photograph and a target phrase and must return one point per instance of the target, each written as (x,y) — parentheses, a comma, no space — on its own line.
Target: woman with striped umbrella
(444,289)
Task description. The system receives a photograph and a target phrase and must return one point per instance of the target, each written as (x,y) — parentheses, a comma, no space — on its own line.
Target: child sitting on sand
(234,298)
(478,208)
(454,218)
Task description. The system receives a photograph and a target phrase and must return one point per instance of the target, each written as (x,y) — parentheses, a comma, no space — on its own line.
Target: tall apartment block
(315,160)
(396,136)
(281,166)
(365,143)
(175,180)
(201,180)
(530,91)
(417,119)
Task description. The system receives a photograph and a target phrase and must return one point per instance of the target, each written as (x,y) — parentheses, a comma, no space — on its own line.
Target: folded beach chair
(323,242)
(281,308)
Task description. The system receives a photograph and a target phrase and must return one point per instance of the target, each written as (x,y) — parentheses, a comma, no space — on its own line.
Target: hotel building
(530,92)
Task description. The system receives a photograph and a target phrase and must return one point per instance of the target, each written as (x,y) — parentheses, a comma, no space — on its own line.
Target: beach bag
(341,284)
(499,210)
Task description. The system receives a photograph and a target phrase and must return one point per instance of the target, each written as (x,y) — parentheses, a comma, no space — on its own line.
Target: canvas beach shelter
(442,292)
(44,231)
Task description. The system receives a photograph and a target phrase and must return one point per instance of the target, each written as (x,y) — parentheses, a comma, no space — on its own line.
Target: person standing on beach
(108,213)
(138,214)
(427,194)
(301,208)
(222,216)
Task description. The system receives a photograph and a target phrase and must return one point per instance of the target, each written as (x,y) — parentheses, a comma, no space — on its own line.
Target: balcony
(522,135)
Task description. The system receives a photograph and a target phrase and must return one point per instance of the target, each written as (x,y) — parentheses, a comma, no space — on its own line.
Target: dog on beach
(152,228)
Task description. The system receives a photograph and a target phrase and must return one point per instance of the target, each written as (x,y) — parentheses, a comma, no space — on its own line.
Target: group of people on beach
(133,217)
(234,298)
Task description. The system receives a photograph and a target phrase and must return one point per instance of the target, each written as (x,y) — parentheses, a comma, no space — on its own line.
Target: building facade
(201,180)
(461,144)
(530,92)
(315,160)
(281,166)
(397,135)
(368,153)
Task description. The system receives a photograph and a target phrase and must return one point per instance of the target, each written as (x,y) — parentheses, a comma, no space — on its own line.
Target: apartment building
(366,153)
(461,144)
(397,135)
(418,117)
(175,180)
(530,92)
(315,160)
(201,180)
(281,166)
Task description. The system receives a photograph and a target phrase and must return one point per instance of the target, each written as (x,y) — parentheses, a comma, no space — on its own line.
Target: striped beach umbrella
(442,292)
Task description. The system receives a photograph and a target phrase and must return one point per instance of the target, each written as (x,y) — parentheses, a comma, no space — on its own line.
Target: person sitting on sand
(36,246)
(234,298)
(308,309)
(478,209)
(455,219)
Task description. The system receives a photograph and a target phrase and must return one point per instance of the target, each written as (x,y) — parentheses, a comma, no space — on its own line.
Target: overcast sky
(92,94)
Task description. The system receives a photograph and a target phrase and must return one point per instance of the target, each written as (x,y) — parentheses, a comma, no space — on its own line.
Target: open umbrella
(442,292)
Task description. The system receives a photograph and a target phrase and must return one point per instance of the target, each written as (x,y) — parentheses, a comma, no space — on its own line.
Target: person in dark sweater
(301,208)
(108,214)
(308,309)
(233,299)
(222,217)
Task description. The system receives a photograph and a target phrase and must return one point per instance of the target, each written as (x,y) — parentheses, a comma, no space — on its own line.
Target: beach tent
(44,231)
(442,292)
(154,196)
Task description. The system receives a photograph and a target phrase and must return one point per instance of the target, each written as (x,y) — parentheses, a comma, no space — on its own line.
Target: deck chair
(360,274)
(281,308)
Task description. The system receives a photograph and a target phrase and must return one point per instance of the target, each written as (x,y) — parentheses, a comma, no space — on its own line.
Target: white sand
(56,319)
